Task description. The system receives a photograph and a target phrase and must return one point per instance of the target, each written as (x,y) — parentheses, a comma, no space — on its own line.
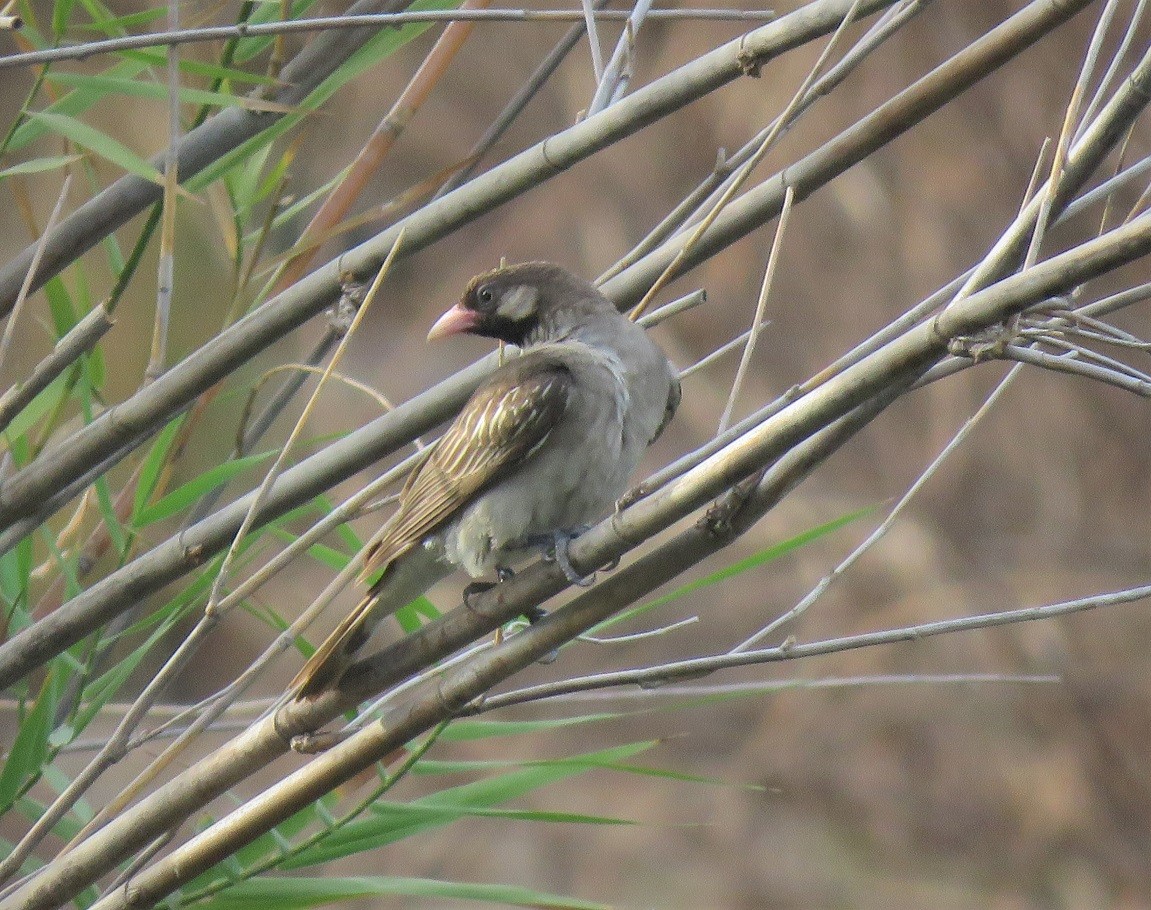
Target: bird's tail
(402,581)
(332,658)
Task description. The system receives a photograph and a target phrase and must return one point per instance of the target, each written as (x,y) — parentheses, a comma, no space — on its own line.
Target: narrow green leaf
(13,587)
(38,165)
(30,748)
(111,519)
(59,782)
(198,68)
(120,25)
(247,48)
(467,730)
(391,822)
(66,829)
(155,91)
(71,105)
(409,615)
(39,407)
(346,532)
(100,143)
(290,893)
(153,465)
(382,46)
(61,14)
(183,496)
(757,559)
(61,305)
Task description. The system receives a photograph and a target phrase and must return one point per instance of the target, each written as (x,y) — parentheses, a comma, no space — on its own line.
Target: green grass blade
(30,749)
(378,48)
(153,464)
(184,496)
(135,88)
(39,165)
(756,559)
(468,730)
(391,822)
(100,143)
(71,105)
(289,893)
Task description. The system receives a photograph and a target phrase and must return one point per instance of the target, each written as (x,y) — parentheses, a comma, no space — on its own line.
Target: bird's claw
(503,573)
(561,540)
(475,589)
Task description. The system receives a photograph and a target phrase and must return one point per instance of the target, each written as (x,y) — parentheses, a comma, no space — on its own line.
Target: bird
(545,446)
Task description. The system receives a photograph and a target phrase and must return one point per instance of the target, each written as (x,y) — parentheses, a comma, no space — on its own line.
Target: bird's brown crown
(530,303)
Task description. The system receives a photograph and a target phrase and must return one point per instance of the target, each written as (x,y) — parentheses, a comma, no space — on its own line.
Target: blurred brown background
(903,795)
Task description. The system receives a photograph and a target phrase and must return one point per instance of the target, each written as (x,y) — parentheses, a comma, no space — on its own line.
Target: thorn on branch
(991,345)
(719,520)
(749,63)
(316,742)
(343,311)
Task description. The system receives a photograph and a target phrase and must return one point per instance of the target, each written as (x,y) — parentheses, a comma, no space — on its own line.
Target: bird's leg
(532,614)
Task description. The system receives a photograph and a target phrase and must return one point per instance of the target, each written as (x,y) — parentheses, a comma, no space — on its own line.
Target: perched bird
(544,447)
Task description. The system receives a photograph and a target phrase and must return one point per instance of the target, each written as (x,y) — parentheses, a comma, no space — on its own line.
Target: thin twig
(760,310)
(18,306)
(377,20)
(792,650)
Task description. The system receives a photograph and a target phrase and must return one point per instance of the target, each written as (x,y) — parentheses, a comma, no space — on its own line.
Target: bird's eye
(486,295)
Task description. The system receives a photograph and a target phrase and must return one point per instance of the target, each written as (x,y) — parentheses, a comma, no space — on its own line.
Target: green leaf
(378,48)
(198,68)
(100,143)
(61,13)
(65,829)
(288,893)
(30,749)
(136,88)
(327,556)
(120,25)
(38,165)
(14,585)
(392,822)
(468,730)
(71,105)
(757,559)
(111,519)
(408,616)
(247,48)
(39,407)
(61,305)
(346,532)
(183,496)
(59,782)
(153,465)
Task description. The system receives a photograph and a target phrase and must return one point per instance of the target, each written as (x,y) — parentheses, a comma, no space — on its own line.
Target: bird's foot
(556,546)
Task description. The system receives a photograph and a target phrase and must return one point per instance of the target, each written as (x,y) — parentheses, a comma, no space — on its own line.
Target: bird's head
(522,305)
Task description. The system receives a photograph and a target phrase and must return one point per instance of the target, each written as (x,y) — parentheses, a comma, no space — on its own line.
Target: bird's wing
(507,419)
(674,394)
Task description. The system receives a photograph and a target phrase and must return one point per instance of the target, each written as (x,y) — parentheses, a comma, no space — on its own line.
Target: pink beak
(456,320)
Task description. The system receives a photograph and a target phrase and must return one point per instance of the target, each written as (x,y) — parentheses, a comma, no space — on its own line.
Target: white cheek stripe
(518,303)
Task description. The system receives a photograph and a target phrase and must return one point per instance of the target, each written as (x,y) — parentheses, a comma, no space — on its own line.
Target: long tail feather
(328,663)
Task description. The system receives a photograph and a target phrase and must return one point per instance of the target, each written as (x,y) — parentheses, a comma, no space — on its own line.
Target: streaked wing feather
(506,420)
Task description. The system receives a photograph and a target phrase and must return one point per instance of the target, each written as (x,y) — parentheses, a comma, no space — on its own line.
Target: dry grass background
(911,795)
